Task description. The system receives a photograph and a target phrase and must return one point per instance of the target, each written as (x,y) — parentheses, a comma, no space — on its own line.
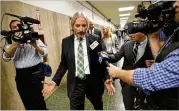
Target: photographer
(161,81)
(27,59)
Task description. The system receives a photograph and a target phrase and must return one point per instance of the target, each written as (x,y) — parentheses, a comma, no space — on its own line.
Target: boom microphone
(31,20)
(13,15)
(25,19)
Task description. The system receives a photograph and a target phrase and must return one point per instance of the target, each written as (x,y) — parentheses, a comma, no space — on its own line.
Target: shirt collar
(91,30)
(76,38)
(143,42)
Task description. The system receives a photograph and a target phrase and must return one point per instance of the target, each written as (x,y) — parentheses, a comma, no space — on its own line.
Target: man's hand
(108,81)
(18,34)
(113,71)
(110,88)
(37,47)
(48,87)
(149,63)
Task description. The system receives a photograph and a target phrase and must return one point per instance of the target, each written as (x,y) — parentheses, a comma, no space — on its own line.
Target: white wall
(69,8)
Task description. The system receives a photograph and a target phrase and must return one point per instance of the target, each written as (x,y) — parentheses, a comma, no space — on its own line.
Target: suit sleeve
(117,44)
(103,48)
(100,34)
(118,55)
(62,68)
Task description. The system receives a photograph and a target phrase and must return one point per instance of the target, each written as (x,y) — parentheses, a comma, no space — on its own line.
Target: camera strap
(167,42)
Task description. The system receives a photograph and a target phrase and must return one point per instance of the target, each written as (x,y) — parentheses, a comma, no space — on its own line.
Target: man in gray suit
(143,53)
(93,30)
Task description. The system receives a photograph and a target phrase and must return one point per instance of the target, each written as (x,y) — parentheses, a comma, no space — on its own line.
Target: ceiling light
(126,14)
(126,8)
(124,18)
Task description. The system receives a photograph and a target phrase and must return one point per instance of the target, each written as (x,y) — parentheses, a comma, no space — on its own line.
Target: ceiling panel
(110,9)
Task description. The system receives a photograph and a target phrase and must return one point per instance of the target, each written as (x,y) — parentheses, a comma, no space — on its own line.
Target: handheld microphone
(25,19)
(107,63)
(103,58)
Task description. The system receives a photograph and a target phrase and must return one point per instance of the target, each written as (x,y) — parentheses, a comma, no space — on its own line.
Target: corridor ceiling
(110,9)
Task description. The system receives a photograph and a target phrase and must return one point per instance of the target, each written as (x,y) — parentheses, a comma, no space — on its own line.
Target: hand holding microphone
(103,57)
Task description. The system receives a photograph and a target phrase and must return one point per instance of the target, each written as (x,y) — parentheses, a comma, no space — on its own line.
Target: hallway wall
(55,26)
(69,7)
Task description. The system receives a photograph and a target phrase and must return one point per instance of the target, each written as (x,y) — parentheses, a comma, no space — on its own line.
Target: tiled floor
(60,101)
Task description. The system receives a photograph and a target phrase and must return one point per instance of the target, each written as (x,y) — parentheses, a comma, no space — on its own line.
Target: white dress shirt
(91,31)
(141,49)
(86,61)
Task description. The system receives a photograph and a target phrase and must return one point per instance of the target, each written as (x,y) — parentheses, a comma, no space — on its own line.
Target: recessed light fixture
(126,8)
(124,18)
(123,15)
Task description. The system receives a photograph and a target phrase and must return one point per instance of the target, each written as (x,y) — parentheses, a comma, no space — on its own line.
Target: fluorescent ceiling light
(126,8)
(123,15)
(124,18)
(123,21)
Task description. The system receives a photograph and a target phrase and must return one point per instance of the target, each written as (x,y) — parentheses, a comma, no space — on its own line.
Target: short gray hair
(77,15)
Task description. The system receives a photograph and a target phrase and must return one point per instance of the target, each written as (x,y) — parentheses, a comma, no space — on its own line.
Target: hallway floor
(59,100)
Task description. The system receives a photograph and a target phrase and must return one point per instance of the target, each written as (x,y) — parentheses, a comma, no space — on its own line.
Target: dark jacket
(97,32)
(97,72)
(166,99)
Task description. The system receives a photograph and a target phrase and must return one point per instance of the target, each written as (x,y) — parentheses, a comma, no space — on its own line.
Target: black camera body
(28,33)
(145,27)
(158,15)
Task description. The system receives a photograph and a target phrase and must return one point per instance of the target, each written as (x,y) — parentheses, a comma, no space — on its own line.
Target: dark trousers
(128,96)
(29,86)
(140,98)
(82,88)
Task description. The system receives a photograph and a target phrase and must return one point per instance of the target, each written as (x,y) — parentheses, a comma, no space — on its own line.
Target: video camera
(28,32)
(157,15)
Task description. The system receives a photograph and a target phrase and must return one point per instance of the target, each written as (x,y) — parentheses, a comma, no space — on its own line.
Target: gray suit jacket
(97,32)
(126,51)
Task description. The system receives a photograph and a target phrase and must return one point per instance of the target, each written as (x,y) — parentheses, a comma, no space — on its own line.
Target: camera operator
(27,59)
(161,81)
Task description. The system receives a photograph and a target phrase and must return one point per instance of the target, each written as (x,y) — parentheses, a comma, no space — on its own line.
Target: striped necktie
(80,61)
(134,53)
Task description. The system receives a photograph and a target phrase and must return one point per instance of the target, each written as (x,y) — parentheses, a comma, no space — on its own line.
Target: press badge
(94,45)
